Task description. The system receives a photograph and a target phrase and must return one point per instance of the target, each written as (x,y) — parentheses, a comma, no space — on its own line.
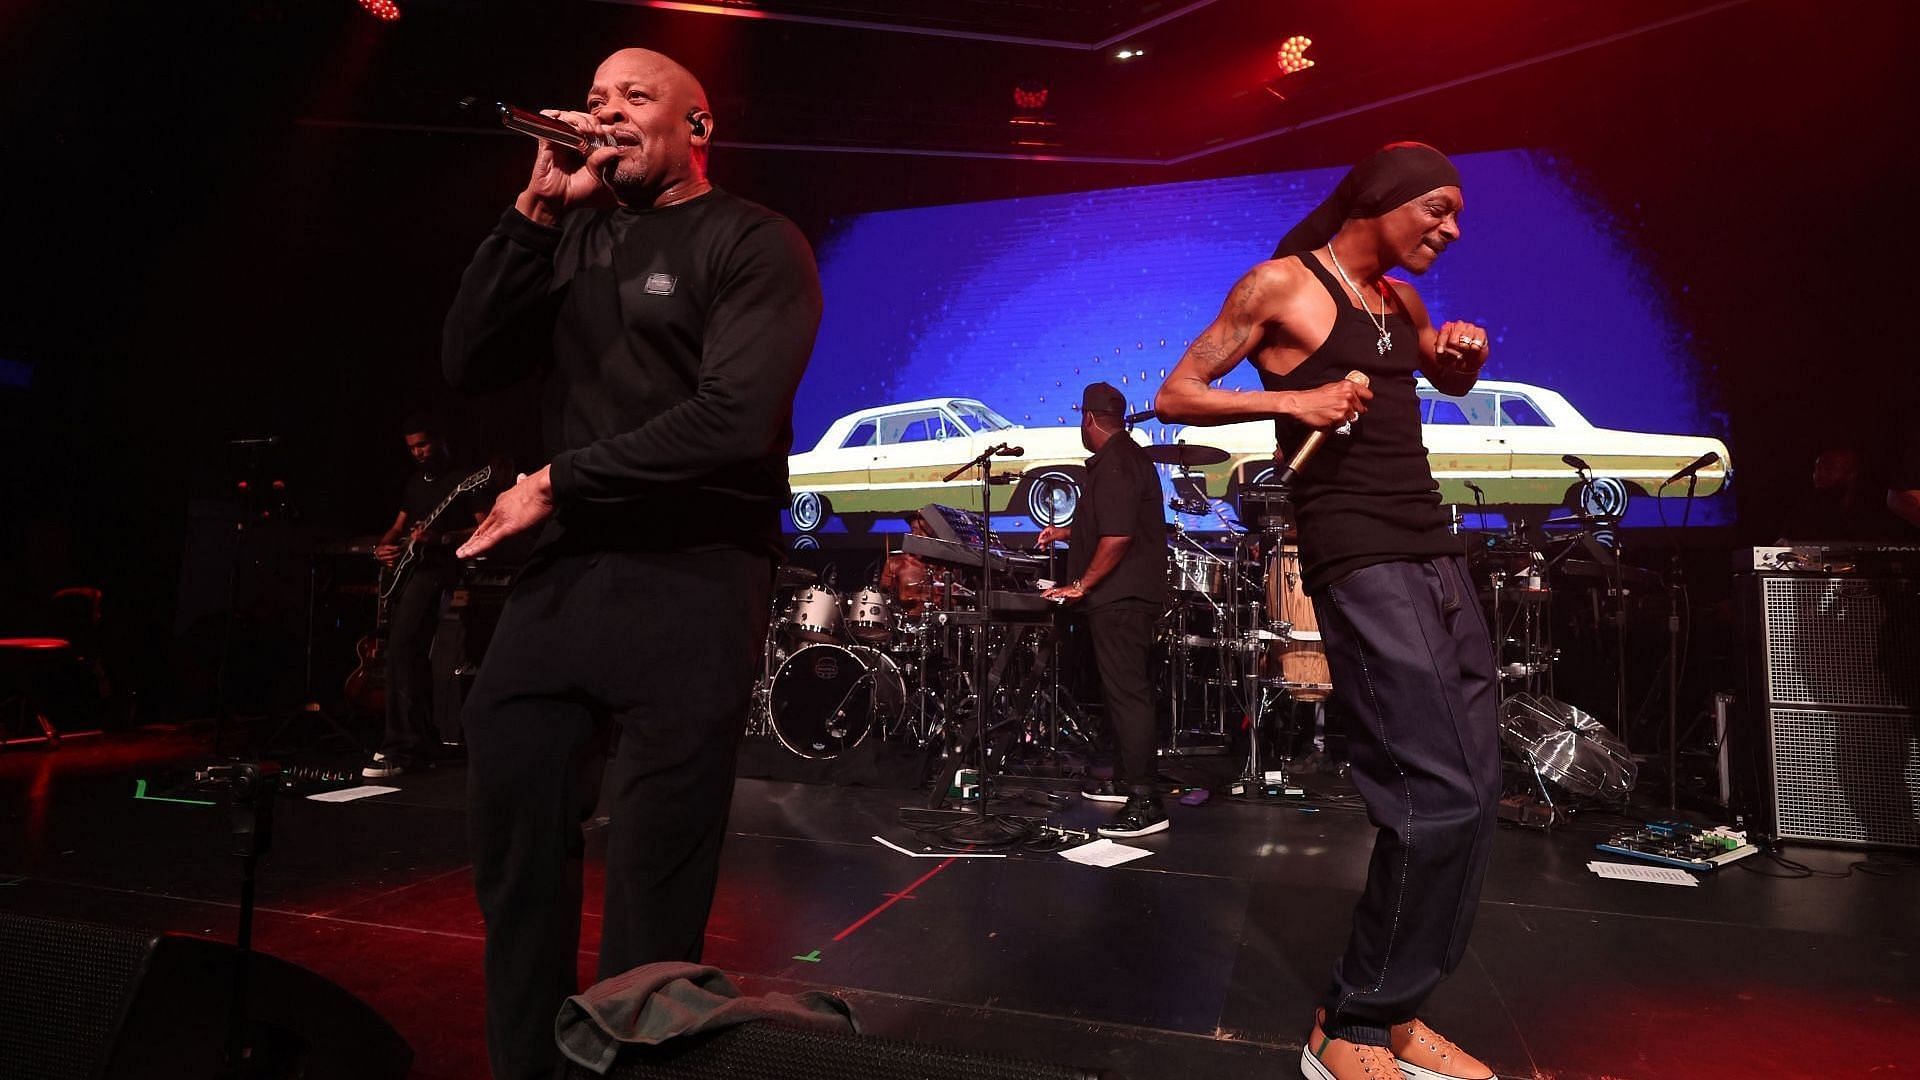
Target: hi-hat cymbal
(1187,454)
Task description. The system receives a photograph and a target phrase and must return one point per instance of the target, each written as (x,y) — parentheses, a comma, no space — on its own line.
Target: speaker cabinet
(1834,679)
(85,1002)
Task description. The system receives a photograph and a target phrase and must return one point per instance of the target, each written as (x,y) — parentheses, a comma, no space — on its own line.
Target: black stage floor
(1200,961)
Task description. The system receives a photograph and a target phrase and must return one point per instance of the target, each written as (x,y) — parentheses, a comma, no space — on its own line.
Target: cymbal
(789,576)
(1186,454)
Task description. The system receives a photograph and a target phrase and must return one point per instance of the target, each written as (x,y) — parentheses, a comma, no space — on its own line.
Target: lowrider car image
(890,459)
(1508,438)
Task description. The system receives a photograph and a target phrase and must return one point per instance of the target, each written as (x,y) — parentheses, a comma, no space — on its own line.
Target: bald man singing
(668,323)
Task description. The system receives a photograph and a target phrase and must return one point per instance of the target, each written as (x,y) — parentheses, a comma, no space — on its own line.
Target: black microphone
(1135,418)
(1578,465)
(1710,458)
(1010,451)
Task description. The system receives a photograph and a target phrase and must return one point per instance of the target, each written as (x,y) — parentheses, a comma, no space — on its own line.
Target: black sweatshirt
(672,341)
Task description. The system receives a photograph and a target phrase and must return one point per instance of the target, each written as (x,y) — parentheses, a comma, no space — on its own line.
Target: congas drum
(1300,655)
(813,615)
(870,617)
(826,698)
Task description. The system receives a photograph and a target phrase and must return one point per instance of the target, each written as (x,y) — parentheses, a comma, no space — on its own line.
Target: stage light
(1030,96)
(384,10)
(1129,54)
(1293,54)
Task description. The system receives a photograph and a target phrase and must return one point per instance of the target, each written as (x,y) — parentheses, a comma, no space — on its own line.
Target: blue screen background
(1021,302)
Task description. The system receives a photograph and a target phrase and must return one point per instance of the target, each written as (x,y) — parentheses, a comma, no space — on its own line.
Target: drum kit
(899,664)
(1239,636)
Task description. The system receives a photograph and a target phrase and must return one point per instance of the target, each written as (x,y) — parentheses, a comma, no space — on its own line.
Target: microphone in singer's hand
(1314,439)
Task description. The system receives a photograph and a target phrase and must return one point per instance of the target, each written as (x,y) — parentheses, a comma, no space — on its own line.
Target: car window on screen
(975,417)
(1442,411)
(862,434)
(918,427)
(1519,412)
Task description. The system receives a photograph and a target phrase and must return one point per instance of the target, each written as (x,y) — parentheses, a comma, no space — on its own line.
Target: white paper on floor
(364,791)
(1104,852)
(1659,875)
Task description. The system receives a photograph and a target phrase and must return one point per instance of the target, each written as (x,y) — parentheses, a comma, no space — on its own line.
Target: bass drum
(826,698)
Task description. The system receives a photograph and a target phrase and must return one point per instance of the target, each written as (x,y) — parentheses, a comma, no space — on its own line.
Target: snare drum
(813,615)
(1196,573)
(1300,655)
(870,617)
(826,698)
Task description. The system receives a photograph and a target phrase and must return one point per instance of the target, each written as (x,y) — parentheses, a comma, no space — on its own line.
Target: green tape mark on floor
(140,792)
(811,958)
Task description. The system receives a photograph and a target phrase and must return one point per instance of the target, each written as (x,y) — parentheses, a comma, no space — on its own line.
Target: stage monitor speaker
(83,1002)
(1835,678)
(767,1051)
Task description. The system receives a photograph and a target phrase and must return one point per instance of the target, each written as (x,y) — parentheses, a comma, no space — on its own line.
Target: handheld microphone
(1010,451)
(1706,460)
(1577,464)
(1144,415)
(1313,440)
(514,118)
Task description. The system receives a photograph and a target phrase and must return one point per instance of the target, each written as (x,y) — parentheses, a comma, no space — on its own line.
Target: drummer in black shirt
(1118,576)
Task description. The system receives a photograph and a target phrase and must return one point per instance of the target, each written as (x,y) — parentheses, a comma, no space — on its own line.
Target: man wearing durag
(1406,644)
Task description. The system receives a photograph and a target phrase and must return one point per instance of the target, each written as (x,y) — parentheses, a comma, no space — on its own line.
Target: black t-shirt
(673,340)
(1121,497)
(424,491)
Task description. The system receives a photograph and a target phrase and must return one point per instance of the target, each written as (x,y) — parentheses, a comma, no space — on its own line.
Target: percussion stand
(1178,654)
(1275,524)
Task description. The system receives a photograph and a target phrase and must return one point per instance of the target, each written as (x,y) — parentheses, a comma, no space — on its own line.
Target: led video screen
(950,328)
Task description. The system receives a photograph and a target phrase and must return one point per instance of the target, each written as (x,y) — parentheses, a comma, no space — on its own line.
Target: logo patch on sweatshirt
(661,284)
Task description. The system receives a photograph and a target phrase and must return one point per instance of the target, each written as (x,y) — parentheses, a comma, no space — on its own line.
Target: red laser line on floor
(894,898)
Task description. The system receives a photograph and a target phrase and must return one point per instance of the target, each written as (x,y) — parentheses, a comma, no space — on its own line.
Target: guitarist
(413,608)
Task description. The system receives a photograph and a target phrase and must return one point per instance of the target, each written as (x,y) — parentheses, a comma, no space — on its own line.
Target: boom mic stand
(982,829)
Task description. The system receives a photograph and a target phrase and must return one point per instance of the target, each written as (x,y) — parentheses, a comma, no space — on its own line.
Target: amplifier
(1834,675)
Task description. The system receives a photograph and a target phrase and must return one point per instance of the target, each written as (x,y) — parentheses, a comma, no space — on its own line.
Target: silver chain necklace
(1385,344)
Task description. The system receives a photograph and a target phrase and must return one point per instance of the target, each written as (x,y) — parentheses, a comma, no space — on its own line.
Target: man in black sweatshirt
(671,322)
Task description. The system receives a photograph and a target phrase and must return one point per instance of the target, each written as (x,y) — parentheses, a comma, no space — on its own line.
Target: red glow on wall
(384,10)
(1030,97)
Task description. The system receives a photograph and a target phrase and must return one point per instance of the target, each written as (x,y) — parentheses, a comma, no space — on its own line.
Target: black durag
(1392,175)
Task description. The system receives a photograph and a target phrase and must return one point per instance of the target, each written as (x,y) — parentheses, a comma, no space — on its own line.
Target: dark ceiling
(930,78)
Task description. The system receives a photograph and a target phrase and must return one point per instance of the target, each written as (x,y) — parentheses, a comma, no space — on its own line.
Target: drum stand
(1180,648)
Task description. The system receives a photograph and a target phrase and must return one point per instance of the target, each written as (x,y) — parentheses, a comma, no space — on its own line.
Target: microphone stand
(982,829)
(1676,588)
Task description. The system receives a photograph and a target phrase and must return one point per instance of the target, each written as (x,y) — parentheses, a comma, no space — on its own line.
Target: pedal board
(1676,843)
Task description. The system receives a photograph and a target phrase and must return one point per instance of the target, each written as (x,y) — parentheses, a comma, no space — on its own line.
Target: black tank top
(1367,497)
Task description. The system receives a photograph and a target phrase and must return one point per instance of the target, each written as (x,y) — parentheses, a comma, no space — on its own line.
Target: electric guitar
(392,577)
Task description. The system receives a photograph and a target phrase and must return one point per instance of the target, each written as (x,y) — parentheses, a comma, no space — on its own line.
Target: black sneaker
(1142,816)
(1103,790)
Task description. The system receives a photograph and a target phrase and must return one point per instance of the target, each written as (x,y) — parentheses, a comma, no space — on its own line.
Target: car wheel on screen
(810,510)
(1051,495)
(1605,498)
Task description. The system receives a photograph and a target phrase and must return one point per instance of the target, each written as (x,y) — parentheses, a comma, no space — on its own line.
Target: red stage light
(384,10)
(1030,96)
(1293,54)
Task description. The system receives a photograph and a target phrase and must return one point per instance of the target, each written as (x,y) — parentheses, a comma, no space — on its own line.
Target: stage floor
(1200,961)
